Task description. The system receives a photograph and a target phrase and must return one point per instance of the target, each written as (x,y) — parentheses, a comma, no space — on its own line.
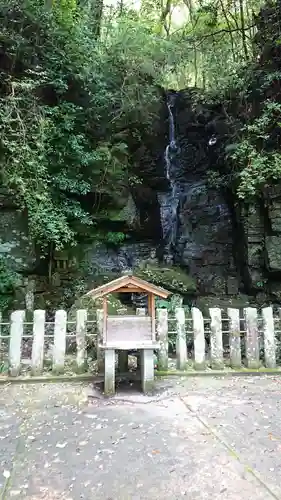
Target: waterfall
(169,201)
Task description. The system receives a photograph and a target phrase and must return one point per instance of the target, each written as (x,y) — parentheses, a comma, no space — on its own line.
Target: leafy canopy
(68,101)
(79,80)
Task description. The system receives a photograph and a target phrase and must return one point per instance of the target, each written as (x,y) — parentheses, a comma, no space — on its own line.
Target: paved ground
(199,439)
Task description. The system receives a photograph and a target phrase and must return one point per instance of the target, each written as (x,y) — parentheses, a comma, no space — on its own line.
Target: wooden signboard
(128,329)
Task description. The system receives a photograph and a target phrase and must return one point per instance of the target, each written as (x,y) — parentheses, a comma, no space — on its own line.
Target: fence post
(59,341)
(81,326)
(16,333)
(181,348)
(100,352)
(140,311)
(37,356)
(269,337)
(216,339)
(1,338)
(162,334)
(199,339)
(234,338)
(252,338)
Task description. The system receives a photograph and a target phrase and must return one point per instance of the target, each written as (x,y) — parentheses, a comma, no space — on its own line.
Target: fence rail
(231,338)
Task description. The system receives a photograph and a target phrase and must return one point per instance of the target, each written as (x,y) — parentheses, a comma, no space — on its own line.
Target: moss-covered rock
(172,278)
(114,306)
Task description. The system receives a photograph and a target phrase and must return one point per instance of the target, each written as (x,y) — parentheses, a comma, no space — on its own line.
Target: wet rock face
(205,242)
(201,130)
(205,230)
(226,245)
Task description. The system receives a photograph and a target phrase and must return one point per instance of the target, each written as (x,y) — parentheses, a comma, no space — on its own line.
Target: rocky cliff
(223,247)
(220,246)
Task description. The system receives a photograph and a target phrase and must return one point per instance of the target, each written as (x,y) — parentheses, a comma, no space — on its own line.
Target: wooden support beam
(149,304)
(152,305)
(129,289)
(104,320)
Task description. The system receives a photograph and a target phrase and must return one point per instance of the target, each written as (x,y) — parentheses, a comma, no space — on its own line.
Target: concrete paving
(203,438)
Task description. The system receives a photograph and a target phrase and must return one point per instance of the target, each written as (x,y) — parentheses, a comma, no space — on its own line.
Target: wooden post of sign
(104,320)
(151,312)
(100,328)
(140,311)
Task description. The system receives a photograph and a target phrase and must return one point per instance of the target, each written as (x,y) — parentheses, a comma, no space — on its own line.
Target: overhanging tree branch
(218,32)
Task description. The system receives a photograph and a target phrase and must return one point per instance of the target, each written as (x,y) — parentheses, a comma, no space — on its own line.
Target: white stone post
(29,295)
(37,356)
(100,352)
(269,337)
(199,339)
(162,335)
(109,372)
(59,342)
(1,338)
(16,333)
(181,348)
(147,370)
(252,338)
(216,339)
(234,337)
(140,311)
(81,329)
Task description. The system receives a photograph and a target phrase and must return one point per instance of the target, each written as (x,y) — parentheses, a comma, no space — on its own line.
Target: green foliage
(258,163)
(115,238)
(64,99)
(79,88)
(171,303)
(65,12)
(9,281)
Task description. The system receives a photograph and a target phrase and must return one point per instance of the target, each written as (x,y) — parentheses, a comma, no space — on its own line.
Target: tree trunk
(229,28)
(243,33)
(95,9)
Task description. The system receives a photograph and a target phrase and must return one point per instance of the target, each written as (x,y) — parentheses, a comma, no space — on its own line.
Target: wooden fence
(233,338)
